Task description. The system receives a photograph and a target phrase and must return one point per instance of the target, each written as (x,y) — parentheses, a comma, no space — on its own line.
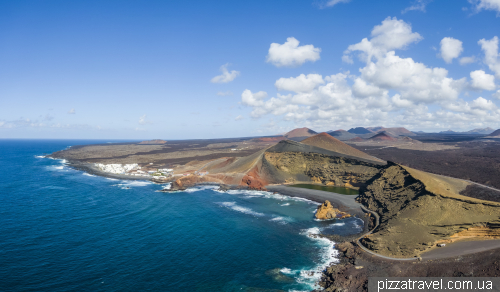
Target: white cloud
(301,83)
(253,99)
(403,103)
(482,81)
(226,76)
(486,5)
(143,120)
(331,3)
(450,49)
(467,60)
(362,89)
(417,5)
(496,94)
(392,34)
(491,56)
(413,80)
(483,104)
(72,111)
(421,96)
(224,93)
(239,118)
(290,54)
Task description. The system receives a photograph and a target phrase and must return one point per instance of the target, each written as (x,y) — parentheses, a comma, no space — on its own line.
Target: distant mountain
(359,131)
(342,135)
(484,131)
(375,129)
(495,134)
(325,141)
(300,132)
(399,131)
(448,132)
(383,136)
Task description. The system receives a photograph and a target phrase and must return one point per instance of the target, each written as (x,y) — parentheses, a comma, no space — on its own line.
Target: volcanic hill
(495,134)
(383,136)
(359,131)
(342,135)
(325,141)
(300,132)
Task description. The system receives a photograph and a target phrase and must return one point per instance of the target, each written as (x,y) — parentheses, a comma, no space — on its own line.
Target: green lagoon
(333,189)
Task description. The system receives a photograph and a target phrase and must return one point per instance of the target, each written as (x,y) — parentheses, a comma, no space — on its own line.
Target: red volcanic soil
(300,132)
(253,180)
(495,134)
(382,136)
(357,139)
(268,139)
(328,142)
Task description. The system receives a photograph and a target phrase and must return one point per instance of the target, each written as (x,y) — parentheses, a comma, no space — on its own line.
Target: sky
(218,69)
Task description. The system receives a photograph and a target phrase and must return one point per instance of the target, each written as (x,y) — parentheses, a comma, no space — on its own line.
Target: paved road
(460,248)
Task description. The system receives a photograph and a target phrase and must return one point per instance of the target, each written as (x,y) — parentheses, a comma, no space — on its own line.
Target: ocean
(65,230)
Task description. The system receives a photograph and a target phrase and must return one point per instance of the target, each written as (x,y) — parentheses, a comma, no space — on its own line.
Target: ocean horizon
(67,230)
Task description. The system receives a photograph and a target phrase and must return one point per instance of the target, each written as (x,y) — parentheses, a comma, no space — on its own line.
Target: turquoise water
(65,230)
(333,189)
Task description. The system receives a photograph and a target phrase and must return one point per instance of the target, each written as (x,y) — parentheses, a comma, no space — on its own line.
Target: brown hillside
(268,139)
(382,137)
(300,132)
(325,141)
(357,139)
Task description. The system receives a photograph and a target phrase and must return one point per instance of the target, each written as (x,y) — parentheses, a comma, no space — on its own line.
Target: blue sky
(209,69)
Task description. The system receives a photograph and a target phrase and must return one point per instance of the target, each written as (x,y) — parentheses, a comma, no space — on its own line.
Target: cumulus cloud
(290,54)
(224,93)
(486,5)
(483,104)
(496,94)
(450,49)
(392,34)
(301,83)
(418,5)
(388,89)
(491,56)
(482,81)
(72,111)
(226,76)
(239,118)
(467,60)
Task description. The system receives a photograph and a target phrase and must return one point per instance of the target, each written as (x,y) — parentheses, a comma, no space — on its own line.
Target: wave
(282,220)
(268,195)
(40,156)
(88,174)
(311,276)
(285,204)
(233,206)
(357,225)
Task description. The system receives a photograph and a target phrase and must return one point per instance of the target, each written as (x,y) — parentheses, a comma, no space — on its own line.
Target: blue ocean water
(64,230)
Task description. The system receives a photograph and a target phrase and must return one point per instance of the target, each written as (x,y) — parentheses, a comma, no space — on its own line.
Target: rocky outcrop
(327,211)
(415,215)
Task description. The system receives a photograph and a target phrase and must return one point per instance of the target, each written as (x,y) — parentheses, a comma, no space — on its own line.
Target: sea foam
(311,276)
(233,206)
